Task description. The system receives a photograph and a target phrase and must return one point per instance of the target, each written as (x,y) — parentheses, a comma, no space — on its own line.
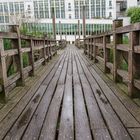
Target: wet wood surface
(74,101)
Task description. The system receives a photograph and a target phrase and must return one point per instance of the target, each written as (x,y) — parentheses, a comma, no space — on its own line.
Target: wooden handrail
(110,44)
(38,50)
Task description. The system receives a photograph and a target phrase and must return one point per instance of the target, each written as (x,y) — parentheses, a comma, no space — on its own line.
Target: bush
(134,14)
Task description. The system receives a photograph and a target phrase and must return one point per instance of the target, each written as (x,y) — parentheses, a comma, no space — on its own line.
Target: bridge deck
(72,102)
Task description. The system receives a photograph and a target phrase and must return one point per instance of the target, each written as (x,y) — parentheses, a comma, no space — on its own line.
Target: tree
(134,14)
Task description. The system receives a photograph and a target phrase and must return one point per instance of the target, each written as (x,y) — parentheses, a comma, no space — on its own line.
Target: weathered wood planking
(14,101)
(128,119)
(114,124)
(16,111)
(82,128)
(135,133)
(51,122)
(33,129)
(72,102)
(66,129)
(133,108)
(98,126)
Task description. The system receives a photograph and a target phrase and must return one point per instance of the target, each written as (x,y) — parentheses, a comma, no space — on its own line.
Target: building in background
(123,5)
(37,14)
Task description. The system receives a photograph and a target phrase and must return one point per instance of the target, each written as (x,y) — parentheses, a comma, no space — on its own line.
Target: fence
(22,57)
(118,52)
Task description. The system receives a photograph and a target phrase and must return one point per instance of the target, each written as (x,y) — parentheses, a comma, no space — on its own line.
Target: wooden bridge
(68,96)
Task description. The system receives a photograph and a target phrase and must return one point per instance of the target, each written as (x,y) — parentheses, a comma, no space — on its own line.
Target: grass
(25,58)
(125,40)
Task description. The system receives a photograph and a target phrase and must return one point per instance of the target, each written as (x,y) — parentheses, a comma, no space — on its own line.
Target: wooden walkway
(73,102)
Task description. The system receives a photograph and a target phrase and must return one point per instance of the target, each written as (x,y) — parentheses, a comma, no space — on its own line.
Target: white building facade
(99,15)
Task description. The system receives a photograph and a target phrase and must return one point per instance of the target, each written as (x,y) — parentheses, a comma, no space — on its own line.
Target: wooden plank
(114,124)
(123,47)
(129,28)
(100,59)
(12,52)
(38,63)
(82,128)
(22,122)
(24,50)
(127,102)
(50,124)
(66,130)
(110,66)
(135,133)
(35,125)
(123,74)
(98,126)
(8,35)
(17,109)
(137,84)
(109,46)
(137,49)
(128,119)
(99,45)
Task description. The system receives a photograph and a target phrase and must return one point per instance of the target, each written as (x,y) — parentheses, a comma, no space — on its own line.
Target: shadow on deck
(71,100)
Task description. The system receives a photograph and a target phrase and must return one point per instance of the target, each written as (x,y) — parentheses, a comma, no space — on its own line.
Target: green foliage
(124,65)
(25,60)
(11,71)
(134,13)
(7,44)
(111,55)
(125,40)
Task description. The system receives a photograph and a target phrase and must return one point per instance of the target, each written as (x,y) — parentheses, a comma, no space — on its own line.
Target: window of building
(69,6)
(110,14)
(110,3)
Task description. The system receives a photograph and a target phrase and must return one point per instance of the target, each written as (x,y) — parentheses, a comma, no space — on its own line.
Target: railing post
(134,40)
(84,22)
(130,64)
(3,70)
(44,52)
(117,39)
(95,51)
(85,46)
(31,58)
(106,53)
(18,58)
(50,50)
(47,49)
(89,51)
(53,21)
(92,46)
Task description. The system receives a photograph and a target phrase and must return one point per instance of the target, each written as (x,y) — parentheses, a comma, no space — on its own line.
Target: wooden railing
(79,43)
(25,55)
(62,44)
(118,52)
